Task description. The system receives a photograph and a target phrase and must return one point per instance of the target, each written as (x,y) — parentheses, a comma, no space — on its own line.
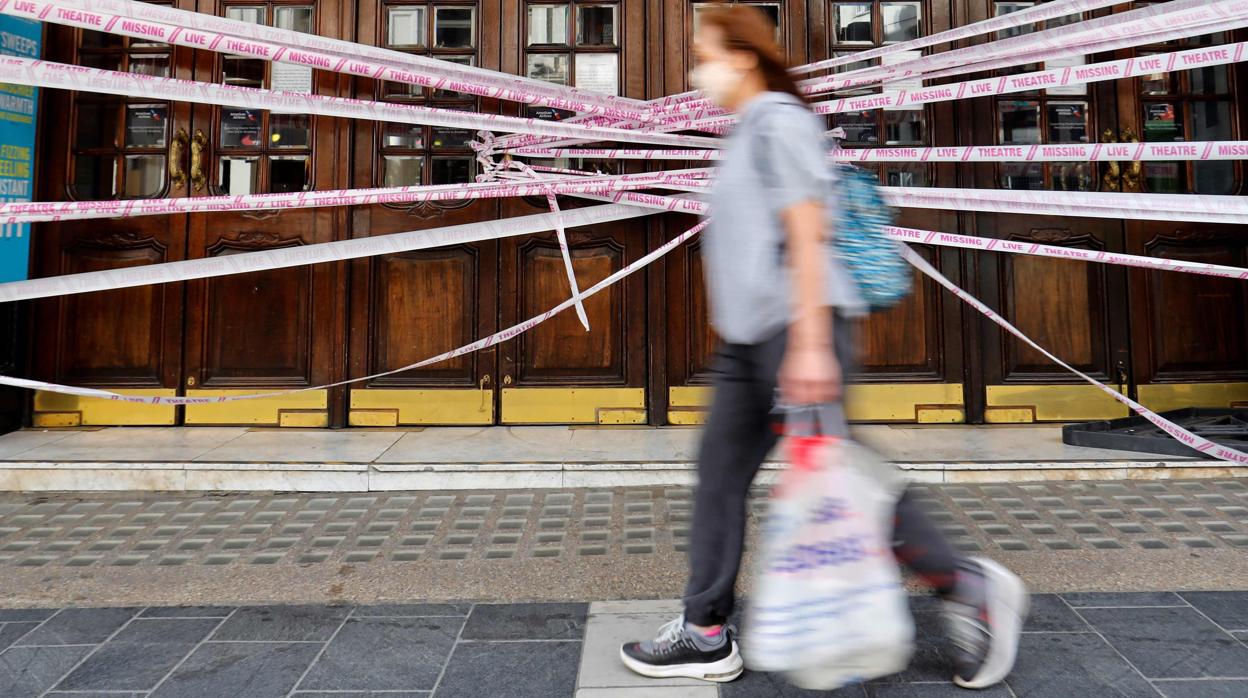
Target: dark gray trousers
(738,435)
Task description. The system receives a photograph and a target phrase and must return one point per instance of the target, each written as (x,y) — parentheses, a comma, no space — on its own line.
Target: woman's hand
(810,376)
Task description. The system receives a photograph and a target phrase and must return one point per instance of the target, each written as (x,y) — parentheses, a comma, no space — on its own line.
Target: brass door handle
(1112,179)
(198,144)
(1131,178)
(177,154)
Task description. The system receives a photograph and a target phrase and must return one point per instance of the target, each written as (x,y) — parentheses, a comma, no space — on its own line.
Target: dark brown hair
(747,28)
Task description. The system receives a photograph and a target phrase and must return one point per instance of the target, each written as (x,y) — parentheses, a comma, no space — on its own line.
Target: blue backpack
(873,259)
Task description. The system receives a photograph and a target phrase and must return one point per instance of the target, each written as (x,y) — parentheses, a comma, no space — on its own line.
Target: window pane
(1157,83)
(101,61)
(901,21)
(861,128)
(1020,122)
(403,136)
(905,175)
(773,13)
(903,127)
(297,19)
(1071,176)
(402,90)
(157,65)
(454,27)
(599,72)
(451,170)
(548,24)
(253,15)
(288,173)
(1209,81)
(444,137)
(1213,177)
(290,130)
(1068,122)
(402,170)
(239,175)
(595,25)
(551,68)
(245,72)
(145,176)
(1163,121)
(97,125)
(1022,175)
(852,22)
(146,125)
(240,128)
(94,39)
(406,26)
(1211,121)
(1005,8)
(1164,177)
(95,177)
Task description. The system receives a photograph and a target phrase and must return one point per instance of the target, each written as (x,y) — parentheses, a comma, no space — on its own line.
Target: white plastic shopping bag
(828,607)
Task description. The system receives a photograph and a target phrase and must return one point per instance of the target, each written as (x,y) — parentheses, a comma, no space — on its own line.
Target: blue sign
(18,37)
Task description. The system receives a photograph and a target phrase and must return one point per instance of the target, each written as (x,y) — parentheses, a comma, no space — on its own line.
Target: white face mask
(716,79)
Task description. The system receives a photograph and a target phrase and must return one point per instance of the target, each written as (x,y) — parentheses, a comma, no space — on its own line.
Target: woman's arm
(810,372)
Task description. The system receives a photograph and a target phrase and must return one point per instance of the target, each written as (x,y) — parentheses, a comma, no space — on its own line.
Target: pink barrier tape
(225,265)
(970,242)
(1197,442)
(25,71)
(1184,18)
(33,212)
(931,237)
(1076,152)
(103,15)
(496,338)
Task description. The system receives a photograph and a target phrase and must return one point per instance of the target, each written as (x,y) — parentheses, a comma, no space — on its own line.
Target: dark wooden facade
(1170,339)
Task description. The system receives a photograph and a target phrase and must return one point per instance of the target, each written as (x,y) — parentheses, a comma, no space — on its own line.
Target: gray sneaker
(985,625)
(678,652)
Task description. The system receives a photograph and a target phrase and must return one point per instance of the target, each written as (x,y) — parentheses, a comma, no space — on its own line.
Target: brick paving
(1176,645)
(119,530)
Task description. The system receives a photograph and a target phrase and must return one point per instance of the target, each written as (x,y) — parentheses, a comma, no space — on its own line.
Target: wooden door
(1075,309)
(558,372)
(1189,332)
(909,361)
(409,307)
(127,340)
(273,329)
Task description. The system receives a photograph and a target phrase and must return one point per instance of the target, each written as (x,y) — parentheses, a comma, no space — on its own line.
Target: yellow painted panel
(569,405)
(904,402)
(1174,396)
(1051,403)
(395,406)
(926,403)
(621,416)
(1009,415)
(262,411)
(56,410)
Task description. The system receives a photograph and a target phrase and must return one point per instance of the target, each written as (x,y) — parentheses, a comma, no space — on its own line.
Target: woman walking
(782,311)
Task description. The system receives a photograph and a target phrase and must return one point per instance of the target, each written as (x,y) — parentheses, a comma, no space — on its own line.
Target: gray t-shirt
(775,158)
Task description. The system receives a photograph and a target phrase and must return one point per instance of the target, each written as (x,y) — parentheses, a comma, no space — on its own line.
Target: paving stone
(1217,688)
(416,610)
(187,612)
(79,626)
(754,684)
(527,669)
(1229,609)
(139,656)
(1170,642)
(1049,613)
(389,654)
(542,621)
(924,690)
(12,632)
(1120,599)
(1088,667)
(252,669)
(282,623)
(930,661)
(29,671)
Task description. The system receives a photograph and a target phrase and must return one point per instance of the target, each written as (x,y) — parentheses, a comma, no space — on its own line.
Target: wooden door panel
(426,304)
(1191,331)
(1075,309)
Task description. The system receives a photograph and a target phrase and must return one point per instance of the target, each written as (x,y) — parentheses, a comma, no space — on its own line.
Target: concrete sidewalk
(359,460)
(1161,644)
